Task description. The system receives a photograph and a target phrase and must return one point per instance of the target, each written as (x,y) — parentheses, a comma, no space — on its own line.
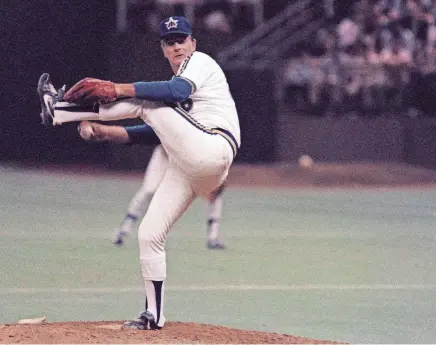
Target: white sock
(214,212)
(155,300)
(128,223)
(69,112)
(154,274)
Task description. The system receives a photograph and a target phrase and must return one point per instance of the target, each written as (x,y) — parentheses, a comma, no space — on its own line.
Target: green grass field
(346,265)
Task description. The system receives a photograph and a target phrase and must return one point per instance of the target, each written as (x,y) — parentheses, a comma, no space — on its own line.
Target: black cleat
(118,239)
(215,245)
(48,96)
(146,315)
(145,321)
(135,324)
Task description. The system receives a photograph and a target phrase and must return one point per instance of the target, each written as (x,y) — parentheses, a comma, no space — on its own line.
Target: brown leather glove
(91,90)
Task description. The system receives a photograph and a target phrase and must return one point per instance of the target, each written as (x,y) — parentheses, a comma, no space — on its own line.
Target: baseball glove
(91,90)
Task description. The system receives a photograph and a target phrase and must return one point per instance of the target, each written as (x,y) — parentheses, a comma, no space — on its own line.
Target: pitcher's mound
(111,333)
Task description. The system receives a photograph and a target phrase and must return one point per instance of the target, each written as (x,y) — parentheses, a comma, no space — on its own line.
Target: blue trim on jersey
(142,134)
(175,90)
(214,131)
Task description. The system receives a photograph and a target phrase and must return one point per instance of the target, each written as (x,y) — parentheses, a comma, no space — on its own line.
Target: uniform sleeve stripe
(184,65)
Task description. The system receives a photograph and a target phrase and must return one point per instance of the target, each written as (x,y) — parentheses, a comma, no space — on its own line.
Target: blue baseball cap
(174,25)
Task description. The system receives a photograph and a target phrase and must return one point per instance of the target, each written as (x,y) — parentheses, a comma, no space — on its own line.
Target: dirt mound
(111,333)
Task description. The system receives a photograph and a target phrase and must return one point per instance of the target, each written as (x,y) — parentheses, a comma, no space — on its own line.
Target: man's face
(177,47)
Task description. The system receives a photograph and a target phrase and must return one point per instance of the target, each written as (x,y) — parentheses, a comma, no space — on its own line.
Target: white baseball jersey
(213,105)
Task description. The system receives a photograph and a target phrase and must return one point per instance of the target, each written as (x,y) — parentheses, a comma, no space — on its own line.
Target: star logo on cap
(171,23)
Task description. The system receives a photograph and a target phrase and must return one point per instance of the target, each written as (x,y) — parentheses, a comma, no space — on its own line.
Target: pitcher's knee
(151,243)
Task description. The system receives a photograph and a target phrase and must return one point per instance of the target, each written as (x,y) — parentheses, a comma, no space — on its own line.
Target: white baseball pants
(199,161)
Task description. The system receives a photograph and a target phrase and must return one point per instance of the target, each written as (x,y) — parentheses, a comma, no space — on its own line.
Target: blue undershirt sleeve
(142,134)
(175,90)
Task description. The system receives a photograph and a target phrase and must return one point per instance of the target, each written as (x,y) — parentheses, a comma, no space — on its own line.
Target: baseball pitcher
(196,120)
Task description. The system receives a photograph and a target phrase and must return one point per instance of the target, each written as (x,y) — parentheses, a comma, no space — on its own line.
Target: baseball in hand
(86,131)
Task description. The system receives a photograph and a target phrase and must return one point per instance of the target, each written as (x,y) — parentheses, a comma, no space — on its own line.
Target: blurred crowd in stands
(233,17)
(370,58)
